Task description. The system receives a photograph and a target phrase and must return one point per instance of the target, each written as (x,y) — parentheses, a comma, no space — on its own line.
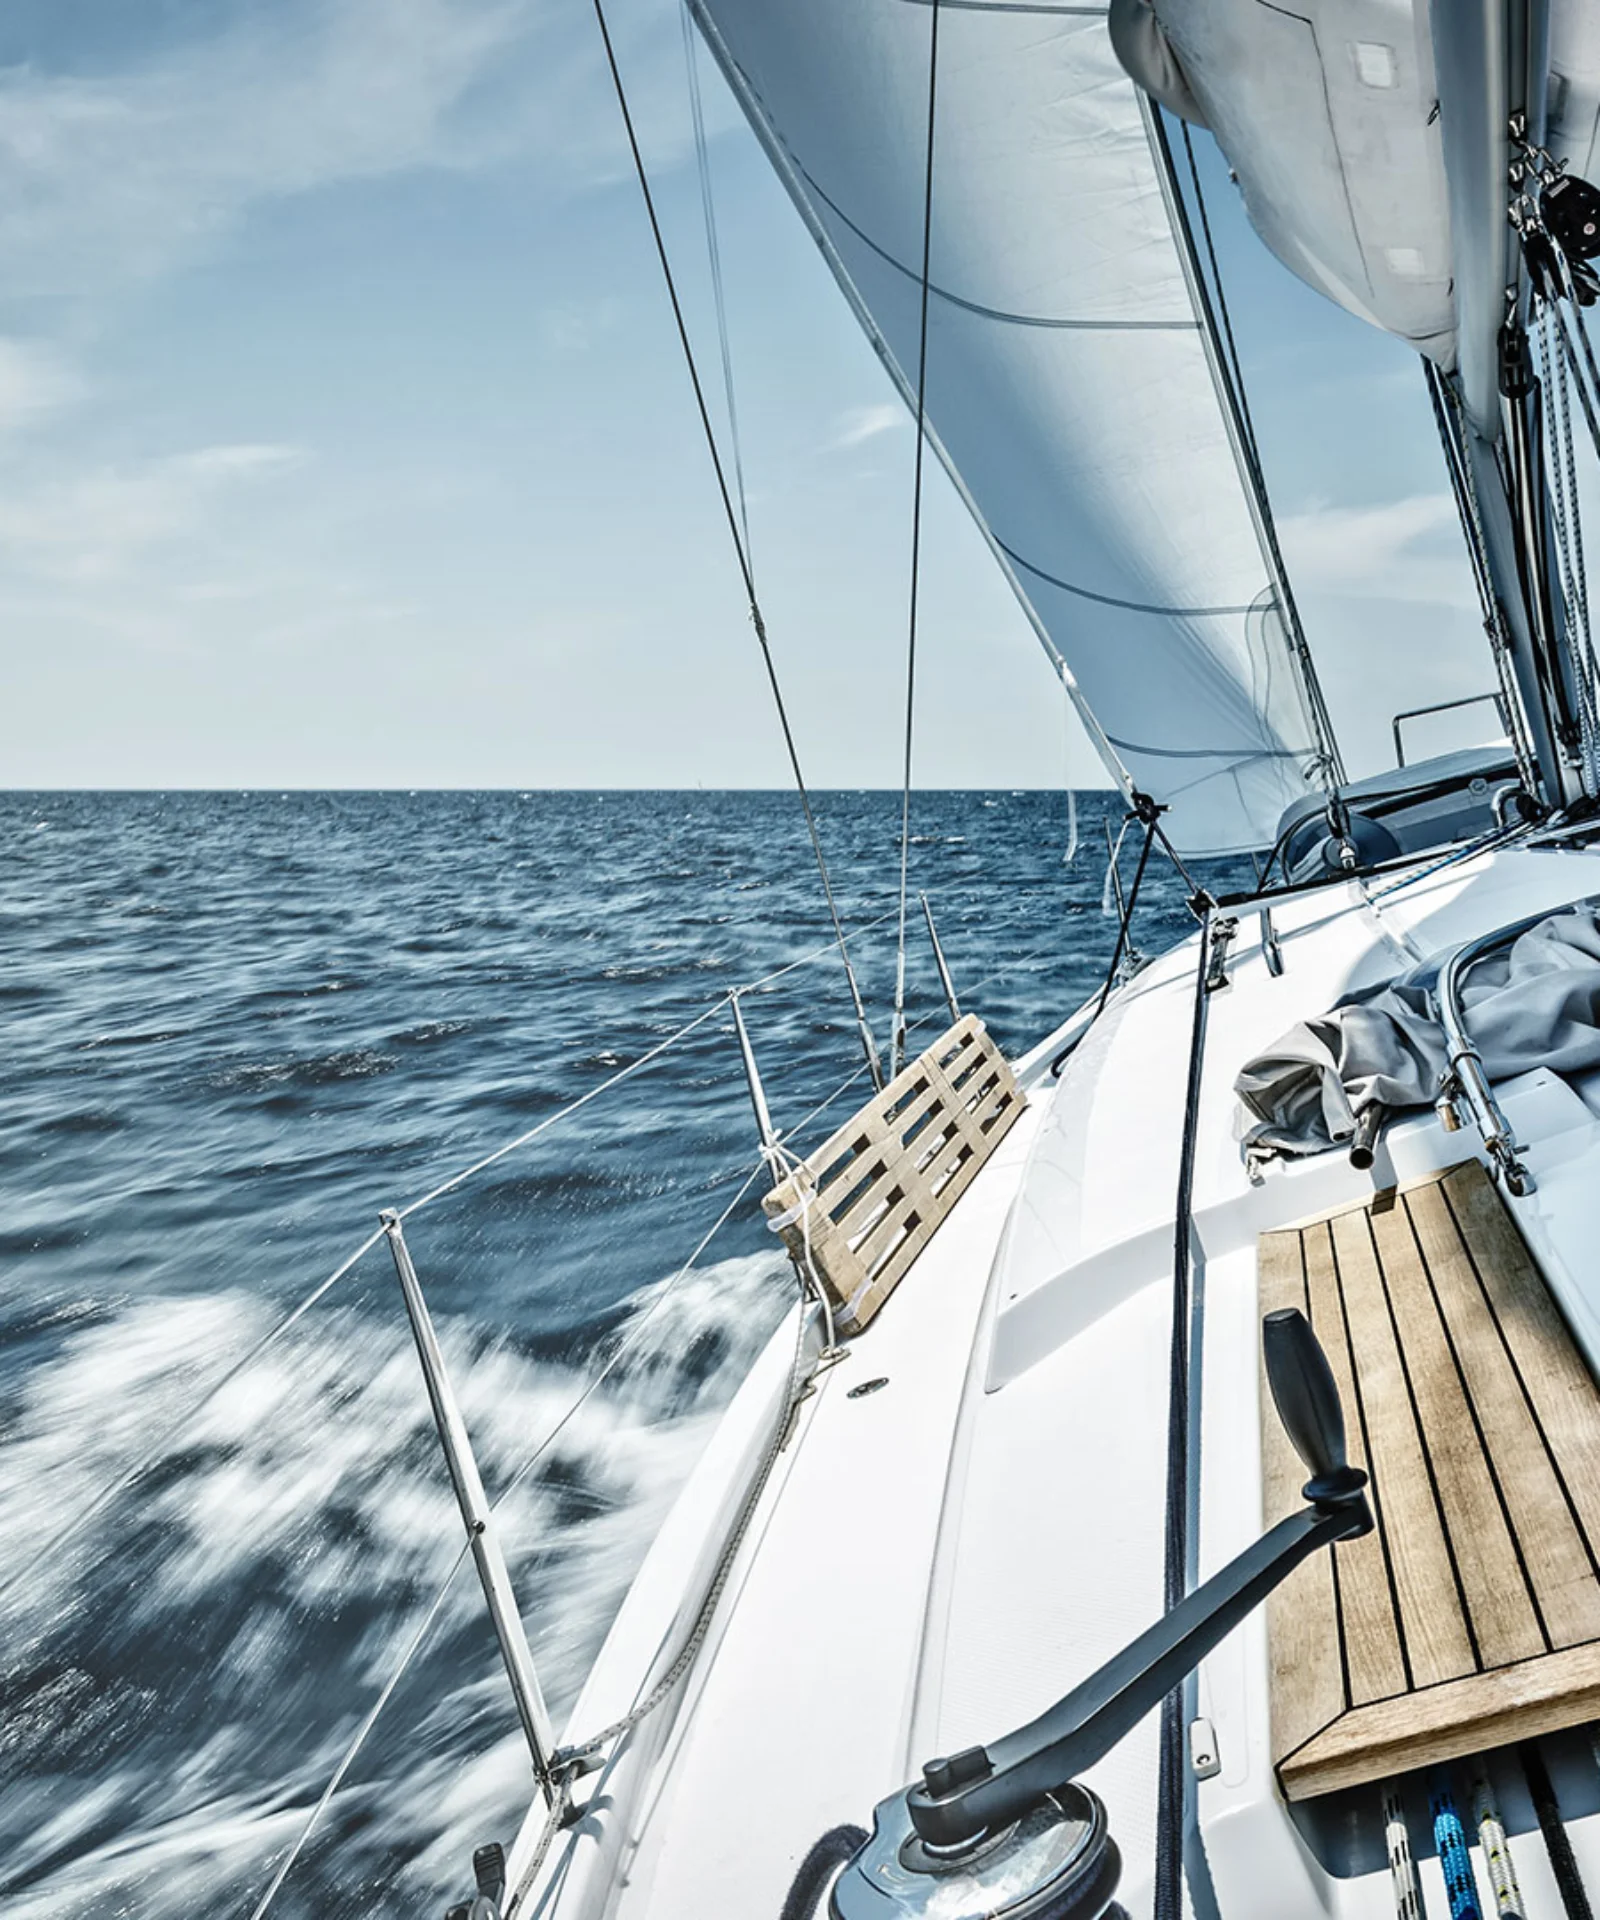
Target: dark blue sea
(238,1025)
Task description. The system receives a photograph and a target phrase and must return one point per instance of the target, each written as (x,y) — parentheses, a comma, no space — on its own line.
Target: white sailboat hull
(935,1561)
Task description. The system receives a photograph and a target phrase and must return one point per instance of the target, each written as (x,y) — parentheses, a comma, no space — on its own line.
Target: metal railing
(1466,1079)
(1449,706)
(478,1513)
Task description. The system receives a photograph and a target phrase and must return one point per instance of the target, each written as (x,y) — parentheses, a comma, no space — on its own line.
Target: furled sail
(1068,387)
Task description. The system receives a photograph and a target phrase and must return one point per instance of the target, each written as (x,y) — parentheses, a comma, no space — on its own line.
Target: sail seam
(1235,756)
(1012,6)
(1112,600)
(976,306)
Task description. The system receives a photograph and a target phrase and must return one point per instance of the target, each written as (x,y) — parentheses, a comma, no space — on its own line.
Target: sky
(345,441)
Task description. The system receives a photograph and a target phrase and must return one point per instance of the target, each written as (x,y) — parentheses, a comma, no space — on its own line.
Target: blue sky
(344,438)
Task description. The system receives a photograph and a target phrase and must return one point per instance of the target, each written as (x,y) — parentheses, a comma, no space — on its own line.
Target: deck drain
(867,1386)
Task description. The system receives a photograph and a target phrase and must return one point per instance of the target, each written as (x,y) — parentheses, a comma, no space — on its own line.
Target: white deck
(939,1560)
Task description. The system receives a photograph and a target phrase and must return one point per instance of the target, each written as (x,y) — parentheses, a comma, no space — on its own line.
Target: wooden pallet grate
(1471,1616)
(879,1189)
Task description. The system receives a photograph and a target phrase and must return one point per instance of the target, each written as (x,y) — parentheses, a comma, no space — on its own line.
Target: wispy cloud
(1409,550)
(36,381)
(858,425)
(92,525)
(107,177)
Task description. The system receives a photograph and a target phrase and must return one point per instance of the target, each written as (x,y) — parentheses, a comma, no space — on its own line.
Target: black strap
(827,1855)
(1170,1774)
(1574,1901)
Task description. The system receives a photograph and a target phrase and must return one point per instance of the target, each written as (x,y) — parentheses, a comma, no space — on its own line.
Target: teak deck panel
(880,1188)
(1470,1616)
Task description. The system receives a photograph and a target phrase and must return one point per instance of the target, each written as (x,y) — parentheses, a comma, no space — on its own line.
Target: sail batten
(1068,389)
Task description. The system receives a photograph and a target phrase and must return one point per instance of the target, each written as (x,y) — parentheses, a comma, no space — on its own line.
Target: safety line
(155,1451)
(347,1760)
(897,1044)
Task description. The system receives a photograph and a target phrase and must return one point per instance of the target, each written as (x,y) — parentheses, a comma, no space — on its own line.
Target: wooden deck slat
(1374,1662)
(1437,1643)
(1485,1710)
(876,1197)
(1552,1550)
(1499,1605)
(1307,1669)
(1564,1397)
(1481,1425)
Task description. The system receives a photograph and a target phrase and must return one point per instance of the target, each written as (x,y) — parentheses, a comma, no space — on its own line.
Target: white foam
(308,1499)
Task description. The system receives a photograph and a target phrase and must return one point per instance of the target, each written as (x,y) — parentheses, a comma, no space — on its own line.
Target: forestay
(1068,388)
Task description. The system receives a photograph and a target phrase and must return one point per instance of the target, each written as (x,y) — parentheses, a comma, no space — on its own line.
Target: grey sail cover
(1068,390)
(1535,1003)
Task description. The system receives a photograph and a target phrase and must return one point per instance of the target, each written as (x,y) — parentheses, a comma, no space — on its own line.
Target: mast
(1242,443)
(1491,61)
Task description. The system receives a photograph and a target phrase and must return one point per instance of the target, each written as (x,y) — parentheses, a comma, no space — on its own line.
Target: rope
(347,1759)
(1402,1867)
(1126,922)
(714,255)
(1496,1853)
(740,551)
(1172,1773)
(1455,1862)
(708,1606)
(898,1038)
(1332,764)
(1574,1901)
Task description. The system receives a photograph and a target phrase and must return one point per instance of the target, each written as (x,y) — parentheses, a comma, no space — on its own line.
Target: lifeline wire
(622,1073)
(897,1044)
(155,1451)
(627,1343)
(741,553)
(347,1760)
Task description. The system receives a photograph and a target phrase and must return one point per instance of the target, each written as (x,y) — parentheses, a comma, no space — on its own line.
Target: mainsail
(1068,389)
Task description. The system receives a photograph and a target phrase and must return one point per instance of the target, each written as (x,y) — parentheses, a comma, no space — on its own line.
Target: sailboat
(1177,1485)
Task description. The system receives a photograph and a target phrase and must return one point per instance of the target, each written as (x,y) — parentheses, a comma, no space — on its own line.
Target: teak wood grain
(867,1202)
(1470,1616)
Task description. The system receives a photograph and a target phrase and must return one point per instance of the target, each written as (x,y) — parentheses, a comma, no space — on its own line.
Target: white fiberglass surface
(945,1557)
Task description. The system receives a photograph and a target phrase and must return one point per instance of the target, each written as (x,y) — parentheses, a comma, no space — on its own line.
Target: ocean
(237,1025)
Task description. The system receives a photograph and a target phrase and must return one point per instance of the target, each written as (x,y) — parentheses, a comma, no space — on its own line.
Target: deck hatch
(881,1186)
(1471,1615)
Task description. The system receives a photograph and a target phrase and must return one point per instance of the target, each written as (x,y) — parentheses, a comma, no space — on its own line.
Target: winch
(1004,1831)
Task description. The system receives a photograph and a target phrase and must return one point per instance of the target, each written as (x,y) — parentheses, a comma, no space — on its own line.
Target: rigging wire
(898,1033)
(1453,427)
(1332,763)
(148,1457)
(1565,514)
(347,1759)
(714,256)
(869,1046)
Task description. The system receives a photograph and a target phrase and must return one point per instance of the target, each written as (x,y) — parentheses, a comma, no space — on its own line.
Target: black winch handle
(967,1795)
(1307,1398)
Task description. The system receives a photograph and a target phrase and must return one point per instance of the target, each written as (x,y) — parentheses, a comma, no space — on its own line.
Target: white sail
(1068,389)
